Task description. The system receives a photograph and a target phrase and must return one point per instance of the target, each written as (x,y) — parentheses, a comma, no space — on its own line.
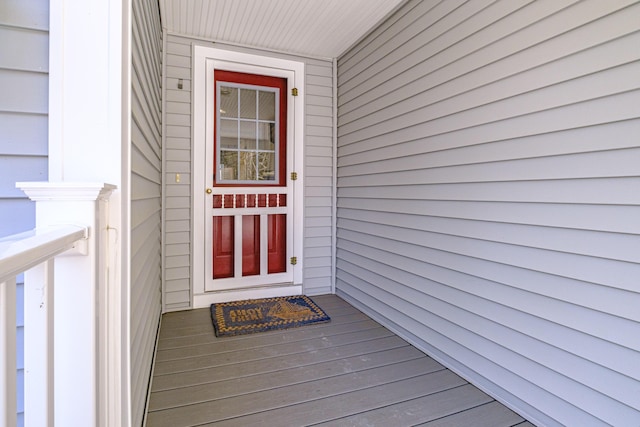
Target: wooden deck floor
(349,372)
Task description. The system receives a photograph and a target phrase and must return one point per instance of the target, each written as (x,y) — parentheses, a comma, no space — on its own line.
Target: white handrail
(32,253)
(23,251)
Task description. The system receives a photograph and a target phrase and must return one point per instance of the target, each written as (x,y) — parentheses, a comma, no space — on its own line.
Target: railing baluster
(38,345)
(8,367)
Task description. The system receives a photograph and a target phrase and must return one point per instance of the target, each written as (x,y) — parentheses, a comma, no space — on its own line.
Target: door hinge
(294,91)
(294,260)
(294,176)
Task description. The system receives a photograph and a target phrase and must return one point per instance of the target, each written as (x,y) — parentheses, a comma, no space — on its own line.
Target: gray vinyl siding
(318,175)
(488,192)
(318,172)
(146,198)
(24,86)
(177,160)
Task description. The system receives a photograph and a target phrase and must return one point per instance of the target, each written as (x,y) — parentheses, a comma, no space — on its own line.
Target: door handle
(208,191)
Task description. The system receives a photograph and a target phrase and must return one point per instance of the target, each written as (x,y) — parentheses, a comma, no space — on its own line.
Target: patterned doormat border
(266,314)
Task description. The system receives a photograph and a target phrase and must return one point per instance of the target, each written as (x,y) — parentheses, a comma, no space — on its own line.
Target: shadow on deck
(349,372)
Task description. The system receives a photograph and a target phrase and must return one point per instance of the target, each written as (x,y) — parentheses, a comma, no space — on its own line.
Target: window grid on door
(247,142)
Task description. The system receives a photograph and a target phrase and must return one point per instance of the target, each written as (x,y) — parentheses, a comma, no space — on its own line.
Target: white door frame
(205,60)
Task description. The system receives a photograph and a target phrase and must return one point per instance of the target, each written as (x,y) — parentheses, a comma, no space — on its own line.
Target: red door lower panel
(223,237)
(250,245)
(277,243)
(224,245)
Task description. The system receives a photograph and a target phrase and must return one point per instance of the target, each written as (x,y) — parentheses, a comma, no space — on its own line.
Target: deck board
(183,379)
(419,410)
(350,371)
(491,414)
(336,406)
(266,340)
(264,381)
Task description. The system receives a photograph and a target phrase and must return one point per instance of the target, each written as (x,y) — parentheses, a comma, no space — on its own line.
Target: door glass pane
(228,134)
(267,106)
(247,135)
(248,103)
(267,166)
(247,166)
(229,165)
(266,136)
(228,101)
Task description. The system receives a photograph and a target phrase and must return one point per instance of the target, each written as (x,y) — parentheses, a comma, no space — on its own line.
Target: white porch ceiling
(316,28)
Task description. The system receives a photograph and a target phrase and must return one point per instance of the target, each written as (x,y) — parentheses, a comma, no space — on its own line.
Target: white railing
(32,253)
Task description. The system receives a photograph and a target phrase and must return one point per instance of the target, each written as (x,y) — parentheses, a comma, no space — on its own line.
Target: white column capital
(66,191)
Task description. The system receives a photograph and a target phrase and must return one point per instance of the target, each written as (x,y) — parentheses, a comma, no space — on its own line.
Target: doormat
(266,314)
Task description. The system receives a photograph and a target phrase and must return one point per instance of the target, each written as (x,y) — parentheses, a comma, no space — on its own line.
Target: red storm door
(251,199)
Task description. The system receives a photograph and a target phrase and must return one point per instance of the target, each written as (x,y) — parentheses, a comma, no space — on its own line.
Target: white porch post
(79,320)
(89,141)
